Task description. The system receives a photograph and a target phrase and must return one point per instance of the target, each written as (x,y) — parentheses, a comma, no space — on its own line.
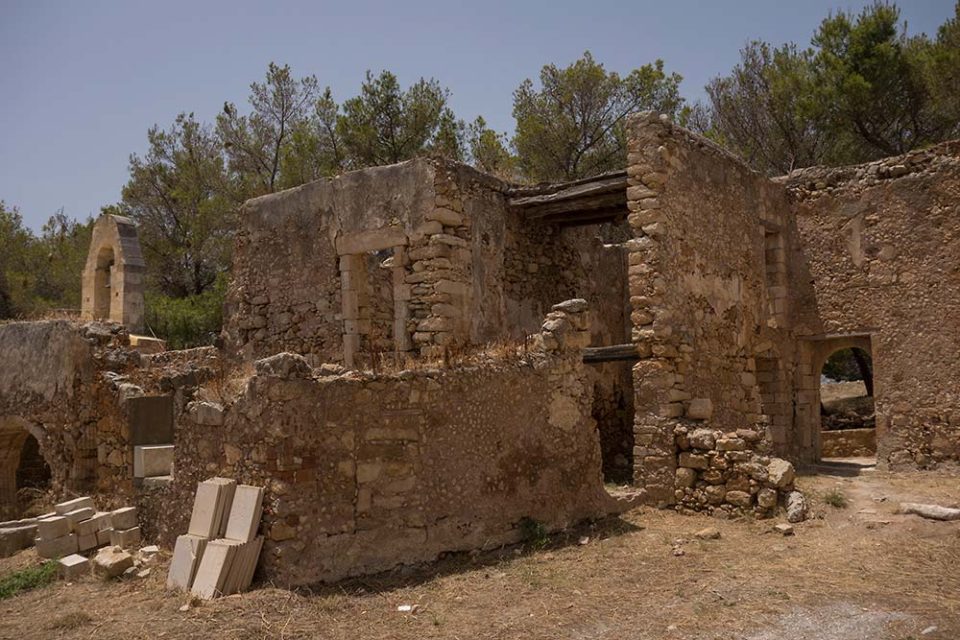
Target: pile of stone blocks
(219,553)
(17,534)
(76,527)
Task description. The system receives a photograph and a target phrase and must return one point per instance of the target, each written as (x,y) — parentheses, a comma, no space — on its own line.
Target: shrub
(26,579)
(193,321)
(835,498)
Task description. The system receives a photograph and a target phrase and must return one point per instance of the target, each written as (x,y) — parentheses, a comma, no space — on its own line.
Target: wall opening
(103,284)
(613,412)
(33,476)
(847,413)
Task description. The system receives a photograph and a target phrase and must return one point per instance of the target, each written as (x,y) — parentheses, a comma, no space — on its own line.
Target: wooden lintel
(613,353)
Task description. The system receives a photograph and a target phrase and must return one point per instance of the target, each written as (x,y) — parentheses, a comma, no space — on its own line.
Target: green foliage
(27,579)
(762,109)
(572,125)
(40,274)
(186,322)
(534,532)
(386,124)
(863,90)
(256,145)
(488,150)
(183,201)
(842,366)
(835,498)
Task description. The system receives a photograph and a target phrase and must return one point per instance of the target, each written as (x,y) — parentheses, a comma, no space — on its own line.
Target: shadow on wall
(407,576)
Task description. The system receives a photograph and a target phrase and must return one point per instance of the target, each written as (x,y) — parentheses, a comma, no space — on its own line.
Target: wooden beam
(613,353)
(601,185)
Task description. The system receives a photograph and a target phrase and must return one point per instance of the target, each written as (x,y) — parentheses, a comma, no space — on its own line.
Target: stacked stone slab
(76,527)
(18,534)
(218,555)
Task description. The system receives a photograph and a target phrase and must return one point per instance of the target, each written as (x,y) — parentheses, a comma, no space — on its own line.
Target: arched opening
(33,478)
(847,415)
(103,283)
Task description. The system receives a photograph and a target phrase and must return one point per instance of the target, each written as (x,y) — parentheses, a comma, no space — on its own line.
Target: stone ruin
(421,358)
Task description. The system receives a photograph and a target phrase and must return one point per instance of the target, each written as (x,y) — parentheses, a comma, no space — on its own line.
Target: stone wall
(708,296)
(849,443)
(364,472)
(882,242)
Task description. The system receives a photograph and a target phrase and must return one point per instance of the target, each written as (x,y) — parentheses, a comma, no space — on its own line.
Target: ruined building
(419,358)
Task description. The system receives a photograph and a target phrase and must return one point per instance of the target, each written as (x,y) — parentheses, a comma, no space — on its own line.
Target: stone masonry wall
(703,308)
(882,241)
(364,472)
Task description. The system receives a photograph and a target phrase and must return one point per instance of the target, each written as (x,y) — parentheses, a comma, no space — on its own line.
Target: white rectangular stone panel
(187,553)
(245,513)
(151,461)
(74,567)
(77,516)
(125,538)
(213,569)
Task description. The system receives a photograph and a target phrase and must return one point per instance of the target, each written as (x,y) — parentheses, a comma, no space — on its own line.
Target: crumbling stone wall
(704,307)
(881,242)
(364,472)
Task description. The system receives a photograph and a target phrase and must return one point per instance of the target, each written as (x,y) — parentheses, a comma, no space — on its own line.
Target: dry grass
(624,583)
(228,383)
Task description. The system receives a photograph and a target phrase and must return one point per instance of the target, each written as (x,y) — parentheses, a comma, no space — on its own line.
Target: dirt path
(862,571)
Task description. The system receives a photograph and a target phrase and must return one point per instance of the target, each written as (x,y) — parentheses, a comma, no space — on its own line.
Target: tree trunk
(866,372)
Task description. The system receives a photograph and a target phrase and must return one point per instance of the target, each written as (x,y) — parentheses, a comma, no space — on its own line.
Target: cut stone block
(13,539)
(211,507)
(245,513)
(87,542)
(214,568)
(73,505)
(150,461)
(111,562)
(58,547)
(53,527)
(126,538)
(100,520)
(186,558)
(74,567)
(77,516)
(103,537)
(125,518)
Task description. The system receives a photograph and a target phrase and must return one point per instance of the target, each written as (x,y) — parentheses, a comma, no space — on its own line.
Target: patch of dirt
(860,572)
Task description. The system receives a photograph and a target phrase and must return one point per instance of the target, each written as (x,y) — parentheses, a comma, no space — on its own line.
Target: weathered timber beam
(580,218)
(601,186)
(614,353)
(604,201)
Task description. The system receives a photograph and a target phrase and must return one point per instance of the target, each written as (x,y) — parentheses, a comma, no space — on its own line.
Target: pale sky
(82,81)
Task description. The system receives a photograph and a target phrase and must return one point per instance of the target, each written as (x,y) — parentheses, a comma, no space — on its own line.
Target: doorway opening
(103,284)
(33,478)
(847,413)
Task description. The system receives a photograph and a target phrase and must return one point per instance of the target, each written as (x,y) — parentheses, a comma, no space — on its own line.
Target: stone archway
(19,437)
(113,275)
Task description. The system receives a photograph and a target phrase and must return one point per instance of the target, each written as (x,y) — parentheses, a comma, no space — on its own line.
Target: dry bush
(228,383)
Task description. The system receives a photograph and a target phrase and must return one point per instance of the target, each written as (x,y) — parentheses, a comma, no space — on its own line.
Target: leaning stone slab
(111,562)
(73,505)
(150,461)
(58,547)
(74,567)
(186,558)
(931,511)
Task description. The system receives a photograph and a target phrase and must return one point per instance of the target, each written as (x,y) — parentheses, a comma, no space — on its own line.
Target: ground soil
(863,571)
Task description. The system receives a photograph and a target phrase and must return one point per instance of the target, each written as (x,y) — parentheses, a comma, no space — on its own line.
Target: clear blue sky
(81,81)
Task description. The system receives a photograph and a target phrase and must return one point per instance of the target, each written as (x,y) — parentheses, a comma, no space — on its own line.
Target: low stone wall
(848,443)
(364,472)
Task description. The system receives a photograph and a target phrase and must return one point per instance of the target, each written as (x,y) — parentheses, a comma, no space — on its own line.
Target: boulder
(739,498)
(284,365)
(111,562)
(702,439)
(796,505)
(685,477)
(780,473)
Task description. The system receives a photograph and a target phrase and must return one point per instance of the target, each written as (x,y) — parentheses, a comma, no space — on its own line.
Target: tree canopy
(572,124)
